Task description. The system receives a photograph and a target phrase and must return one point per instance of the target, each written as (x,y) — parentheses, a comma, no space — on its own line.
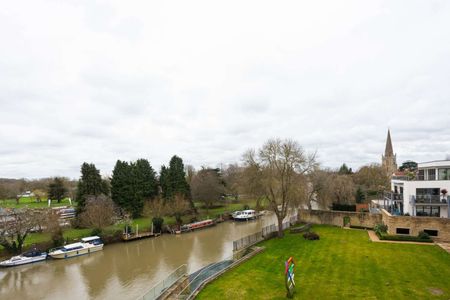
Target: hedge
(404,238)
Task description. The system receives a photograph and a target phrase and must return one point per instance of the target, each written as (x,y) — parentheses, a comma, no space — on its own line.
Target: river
(124,270)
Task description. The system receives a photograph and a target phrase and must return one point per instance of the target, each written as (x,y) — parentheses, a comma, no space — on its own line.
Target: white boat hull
(23,261)
(72,253)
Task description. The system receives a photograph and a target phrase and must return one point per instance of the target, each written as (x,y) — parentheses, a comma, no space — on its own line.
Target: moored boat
(197,225)
(87,245)
(244,215)
(25,258)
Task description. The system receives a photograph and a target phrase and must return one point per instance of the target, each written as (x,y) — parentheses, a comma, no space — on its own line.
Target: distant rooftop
(434,163)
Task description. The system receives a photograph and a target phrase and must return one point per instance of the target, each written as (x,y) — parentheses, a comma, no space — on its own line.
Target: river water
(124,270)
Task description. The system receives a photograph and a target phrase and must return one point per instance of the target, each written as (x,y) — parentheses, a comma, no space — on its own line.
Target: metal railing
(164,284)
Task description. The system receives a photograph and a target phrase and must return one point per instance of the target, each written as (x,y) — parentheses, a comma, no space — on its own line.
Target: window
(402,230)
(428,195)
(428,211)
(431,174)
(420,175)
(444,174)
(431,232)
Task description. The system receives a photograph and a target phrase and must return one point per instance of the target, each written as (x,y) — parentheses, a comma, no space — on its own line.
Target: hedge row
(404,238)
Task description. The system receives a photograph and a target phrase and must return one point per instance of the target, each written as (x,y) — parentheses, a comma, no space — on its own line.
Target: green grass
(30,202)
(343,264)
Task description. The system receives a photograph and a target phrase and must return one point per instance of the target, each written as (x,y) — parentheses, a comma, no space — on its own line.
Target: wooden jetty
(138,236)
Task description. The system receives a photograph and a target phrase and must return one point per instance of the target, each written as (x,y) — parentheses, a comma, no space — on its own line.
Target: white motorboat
(244,215)
(87,245)
(25,258)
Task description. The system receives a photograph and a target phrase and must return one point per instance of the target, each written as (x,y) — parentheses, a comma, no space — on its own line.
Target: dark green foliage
(157,224)
(57,190)
(344,170)
(109,236)
(380,228)
(122,192)
(57,238)
(408,165)
(96,231)
(311,236)
(360,197)
(343,207)
(132,183)
(173,181)
(423,235)
(405,238)
(90,184)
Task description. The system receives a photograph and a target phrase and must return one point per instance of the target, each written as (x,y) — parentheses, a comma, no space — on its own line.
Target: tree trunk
(280,226)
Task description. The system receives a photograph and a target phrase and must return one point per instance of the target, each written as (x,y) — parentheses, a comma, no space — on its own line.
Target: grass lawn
(30,202)
(343,264)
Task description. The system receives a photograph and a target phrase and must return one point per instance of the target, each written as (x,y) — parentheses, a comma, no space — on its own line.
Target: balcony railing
(430,199)
(393,196)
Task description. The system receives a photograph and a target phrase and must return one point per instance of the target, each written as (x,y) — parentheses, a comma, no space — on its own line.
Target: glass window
(431,174)
(420,175)
(444,174)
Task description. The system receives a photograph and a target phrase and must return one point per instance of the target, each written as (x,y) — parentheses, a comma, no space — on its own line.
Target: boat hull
(73,253)
(24,261)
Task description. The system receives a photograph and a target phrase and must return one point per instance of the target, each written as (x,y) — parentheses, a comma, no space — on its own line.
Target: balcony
(429,199)
(393,196)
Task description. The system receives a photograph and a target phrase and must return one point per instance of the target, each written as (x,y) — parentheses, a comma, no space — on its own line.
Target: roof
(90,238)
(435,163)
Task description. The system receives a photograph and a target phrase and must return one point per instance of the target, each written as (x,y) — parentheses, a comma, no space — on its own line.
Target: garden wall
(417,224)
(338,218)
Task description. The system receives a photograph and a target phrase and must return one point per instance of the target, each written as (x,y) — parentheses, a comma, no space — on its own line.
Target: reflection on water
(124,270)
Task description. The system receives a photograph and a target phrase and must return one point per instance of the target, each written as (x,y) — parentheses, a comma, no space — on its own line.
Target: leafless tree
(178,207)
(279,166)
(343,189)
(99,212)
(15,227)
(207,186)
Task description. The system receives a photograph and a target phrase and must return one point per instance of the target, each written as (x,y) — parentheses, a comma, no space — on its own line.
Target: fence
(159,288)
(264,234)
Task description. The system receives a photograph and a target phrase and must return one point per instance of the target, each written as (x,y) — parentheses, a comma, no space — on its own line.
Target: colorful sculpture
(289,277)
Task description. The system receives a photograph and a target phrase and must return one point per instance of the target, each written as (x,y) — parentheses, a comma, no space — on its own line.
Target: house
(425,195)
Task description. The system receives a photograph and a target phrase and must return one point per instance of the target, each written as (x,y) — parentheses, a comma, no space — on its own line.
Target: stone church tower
(389,159)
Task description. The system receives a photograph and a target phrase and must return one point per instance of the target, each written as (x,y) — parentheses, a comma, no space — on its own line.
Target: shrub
(246,207)
(380,228)
(423,235)
(111,236)
(311,236)
(96,231)
(404,238)
(157,223)
(343,207)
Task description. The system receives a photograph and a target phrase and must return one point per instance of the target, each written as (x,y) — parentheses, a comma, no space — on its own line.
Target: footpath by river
(125,270)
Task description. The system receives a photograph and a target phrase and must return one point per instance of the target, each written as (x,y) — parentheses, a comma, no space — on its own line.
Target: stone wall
(332,217)
(417,224)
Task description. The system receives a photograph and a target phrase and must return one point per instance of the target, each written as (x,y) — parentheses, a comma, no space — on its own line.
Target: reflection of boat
(197,225)
(87,245)
(244,215)
(25,258)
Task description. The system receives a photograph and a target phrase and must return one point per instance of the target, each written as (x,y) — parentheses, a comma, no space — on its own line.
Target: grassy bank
(144,223)
(343,264)
(30,202)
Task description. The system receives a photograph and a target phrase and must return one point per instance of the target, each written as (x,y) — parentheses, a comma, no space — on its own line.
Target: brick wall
(417,224)
(336,218)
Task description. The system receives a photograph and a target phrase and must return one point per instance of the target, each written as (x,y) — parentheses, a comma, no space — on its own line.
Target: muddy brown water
(124,270)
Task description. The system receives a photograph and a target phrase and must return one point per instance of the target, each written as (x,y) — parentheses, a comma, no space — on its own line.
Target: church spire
(389,152)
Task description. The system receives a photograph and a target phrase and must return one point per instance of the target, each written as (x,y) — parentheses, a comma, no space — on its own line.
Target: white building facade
(425,195)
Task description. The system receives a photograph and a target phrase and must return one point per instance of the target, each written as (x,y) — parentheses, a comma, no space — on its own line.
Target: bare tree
(99,212)
(343,189)
(280,164)
(178,207)
(207,186)
(15,227)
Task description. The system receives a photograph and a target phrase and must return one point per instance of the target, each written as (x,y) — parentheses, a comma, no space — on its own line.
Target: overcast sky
(98,81)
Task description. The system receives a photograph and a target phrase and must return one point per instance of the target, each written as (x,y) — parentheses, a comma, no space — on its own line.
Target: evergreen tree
(145,179)
(164,182)
(122,191)
(360,197)
(344,170)
(90,184)
(177,178)
(57,190)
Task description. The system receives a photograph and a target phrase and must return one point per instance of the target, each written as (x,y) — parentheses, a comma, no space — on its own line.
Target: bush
(404,238)
(111,236)
(311,236)
(246,207)
(57,238)
(157,223)
(343,207)
(96,231)
(380,228)
(423,235)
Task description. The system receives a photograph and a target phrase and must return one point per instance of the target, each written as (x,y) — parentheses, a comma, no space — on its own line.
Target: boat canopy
(73,246)
(90,238)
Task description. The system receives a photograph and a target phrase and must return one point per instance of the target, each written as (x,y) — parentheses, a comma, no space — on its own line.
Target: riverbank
(113,233)
(342,264)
